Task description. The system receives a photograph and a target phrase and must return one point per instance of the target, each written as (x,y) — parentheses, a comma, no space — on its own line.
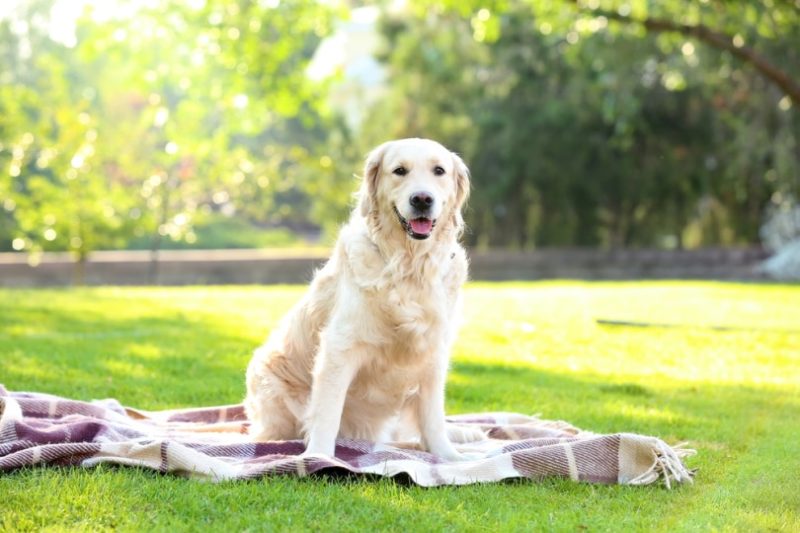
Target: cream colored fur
(365,353)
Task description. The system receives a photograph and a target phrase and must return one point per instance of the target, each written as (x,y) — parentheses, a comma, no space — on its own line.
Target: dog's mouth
(417,228)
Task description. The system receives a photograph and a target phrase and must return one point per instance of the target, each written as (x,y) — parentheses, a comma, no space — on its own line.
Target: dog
(365,353)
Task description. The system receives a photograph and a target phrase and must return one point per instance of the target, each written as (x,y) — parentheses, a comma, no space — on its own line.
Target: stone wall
(203,267)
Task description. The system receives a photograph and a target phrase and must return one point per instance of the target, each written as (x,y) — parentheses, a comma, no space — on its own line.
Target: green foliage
(584,129)
(584,123)
(527,347)
(152,121)
(217,232)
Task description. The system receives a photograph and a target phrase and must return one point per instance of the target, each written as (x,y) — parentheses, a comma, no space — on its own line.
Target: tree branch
(718,40)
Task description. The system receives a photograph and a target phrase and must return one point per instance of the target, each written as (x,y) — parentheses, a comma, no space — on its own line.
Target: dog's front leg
(333,372)
(431,417)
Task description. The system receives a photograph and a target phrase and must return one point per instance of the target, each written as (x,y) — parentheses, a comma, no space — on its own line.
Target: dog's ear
(369,188)
(462,187)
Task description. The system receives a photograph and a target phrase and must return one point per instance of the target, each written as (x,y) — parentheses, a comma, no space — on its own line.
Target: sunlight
(65,14)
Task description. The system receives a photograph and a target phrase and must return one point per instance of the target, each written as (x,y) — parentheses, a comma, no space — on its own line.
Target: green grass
(527,347)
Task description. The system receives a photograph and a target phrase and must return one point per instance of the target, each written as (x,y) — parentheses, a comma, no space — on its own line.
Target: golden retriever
(365,353)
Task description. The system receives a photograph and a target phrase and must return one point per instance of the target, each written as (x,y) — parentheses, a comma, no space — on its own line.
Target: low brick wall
(266,267)
(184,267)
(582,263)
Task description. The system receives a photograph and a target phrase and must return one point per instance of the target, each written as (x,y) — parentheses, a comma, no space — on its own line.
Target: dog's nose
(421,200)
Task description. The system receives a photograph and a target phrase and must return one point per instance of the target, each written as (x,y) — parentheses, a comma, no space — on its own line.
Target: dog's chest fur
(413,298)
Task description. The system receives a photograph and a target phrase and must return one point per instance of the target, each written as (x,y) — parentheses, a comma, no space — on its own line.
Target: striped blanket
(211,443)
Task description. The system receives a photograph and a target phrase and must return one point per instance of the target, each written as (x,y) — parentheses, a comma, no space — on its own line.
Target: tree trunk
(79,270)
(155,244)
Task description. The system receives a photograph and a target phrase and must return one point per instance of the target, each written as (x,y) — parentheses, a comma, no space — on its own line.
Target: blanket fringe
(667,465)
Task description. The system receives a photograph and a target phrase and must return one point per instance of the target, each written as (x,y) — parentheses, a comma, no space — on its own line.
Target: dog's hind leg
(269,406)
(272,420)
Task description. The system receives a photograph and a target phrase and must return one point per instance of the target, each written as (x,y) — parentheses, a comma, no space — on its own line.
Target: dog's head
(416,182)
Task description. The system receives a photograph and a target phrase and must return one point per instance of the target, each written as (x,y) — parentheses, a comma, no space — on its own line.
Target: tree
(53,196)
(158,118)
(765,19)
(589,132)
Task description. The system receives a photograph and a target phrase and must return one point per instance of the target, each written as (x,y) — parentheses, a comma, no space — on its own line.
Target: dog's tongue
(421,226)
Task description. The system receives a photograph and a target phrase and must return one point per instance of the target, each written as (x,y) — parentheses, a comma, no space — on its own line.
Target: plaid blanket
(211,443)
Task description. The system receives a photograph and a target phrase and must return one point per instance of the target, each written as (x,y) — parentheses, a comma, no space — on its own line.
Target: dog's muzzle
(419,228)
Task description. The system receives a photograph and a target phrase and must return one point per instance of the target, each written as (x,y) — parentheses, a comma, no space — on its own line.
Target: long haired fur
(364,354)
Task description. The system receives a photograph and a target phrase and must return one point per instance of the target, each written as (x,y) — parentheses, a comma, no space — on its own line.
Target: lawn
(733,393)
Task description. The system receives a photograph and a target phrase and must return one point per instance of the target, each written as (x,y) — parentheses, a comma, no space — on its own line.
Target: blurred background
(598,133)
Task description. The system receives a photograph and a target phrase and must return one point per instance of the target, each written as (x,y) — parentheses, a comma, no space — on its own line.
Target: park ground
(720,369)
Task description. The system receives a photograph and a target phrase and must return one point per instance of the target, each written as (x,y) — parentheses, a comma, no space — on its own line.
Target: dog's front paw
(316,450)
(307,456)
(462,434)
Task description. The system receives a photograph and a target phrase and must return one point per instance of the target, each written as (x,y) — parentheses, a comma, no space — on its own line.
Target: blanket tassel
(667,464)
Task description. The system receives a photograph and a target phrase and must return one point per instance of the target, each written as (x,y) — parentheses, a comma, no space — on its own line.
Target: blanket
(212,443)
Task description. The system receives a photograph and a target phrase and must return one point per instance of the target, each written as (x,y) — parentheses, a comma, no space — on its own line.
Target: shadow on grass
(719,415)
(153,359)
(151,354)
(162,356)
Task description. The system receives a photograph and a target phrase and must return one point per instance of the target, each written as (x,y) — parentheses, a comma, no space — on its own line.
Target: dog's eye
(400,171)
(439,171)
